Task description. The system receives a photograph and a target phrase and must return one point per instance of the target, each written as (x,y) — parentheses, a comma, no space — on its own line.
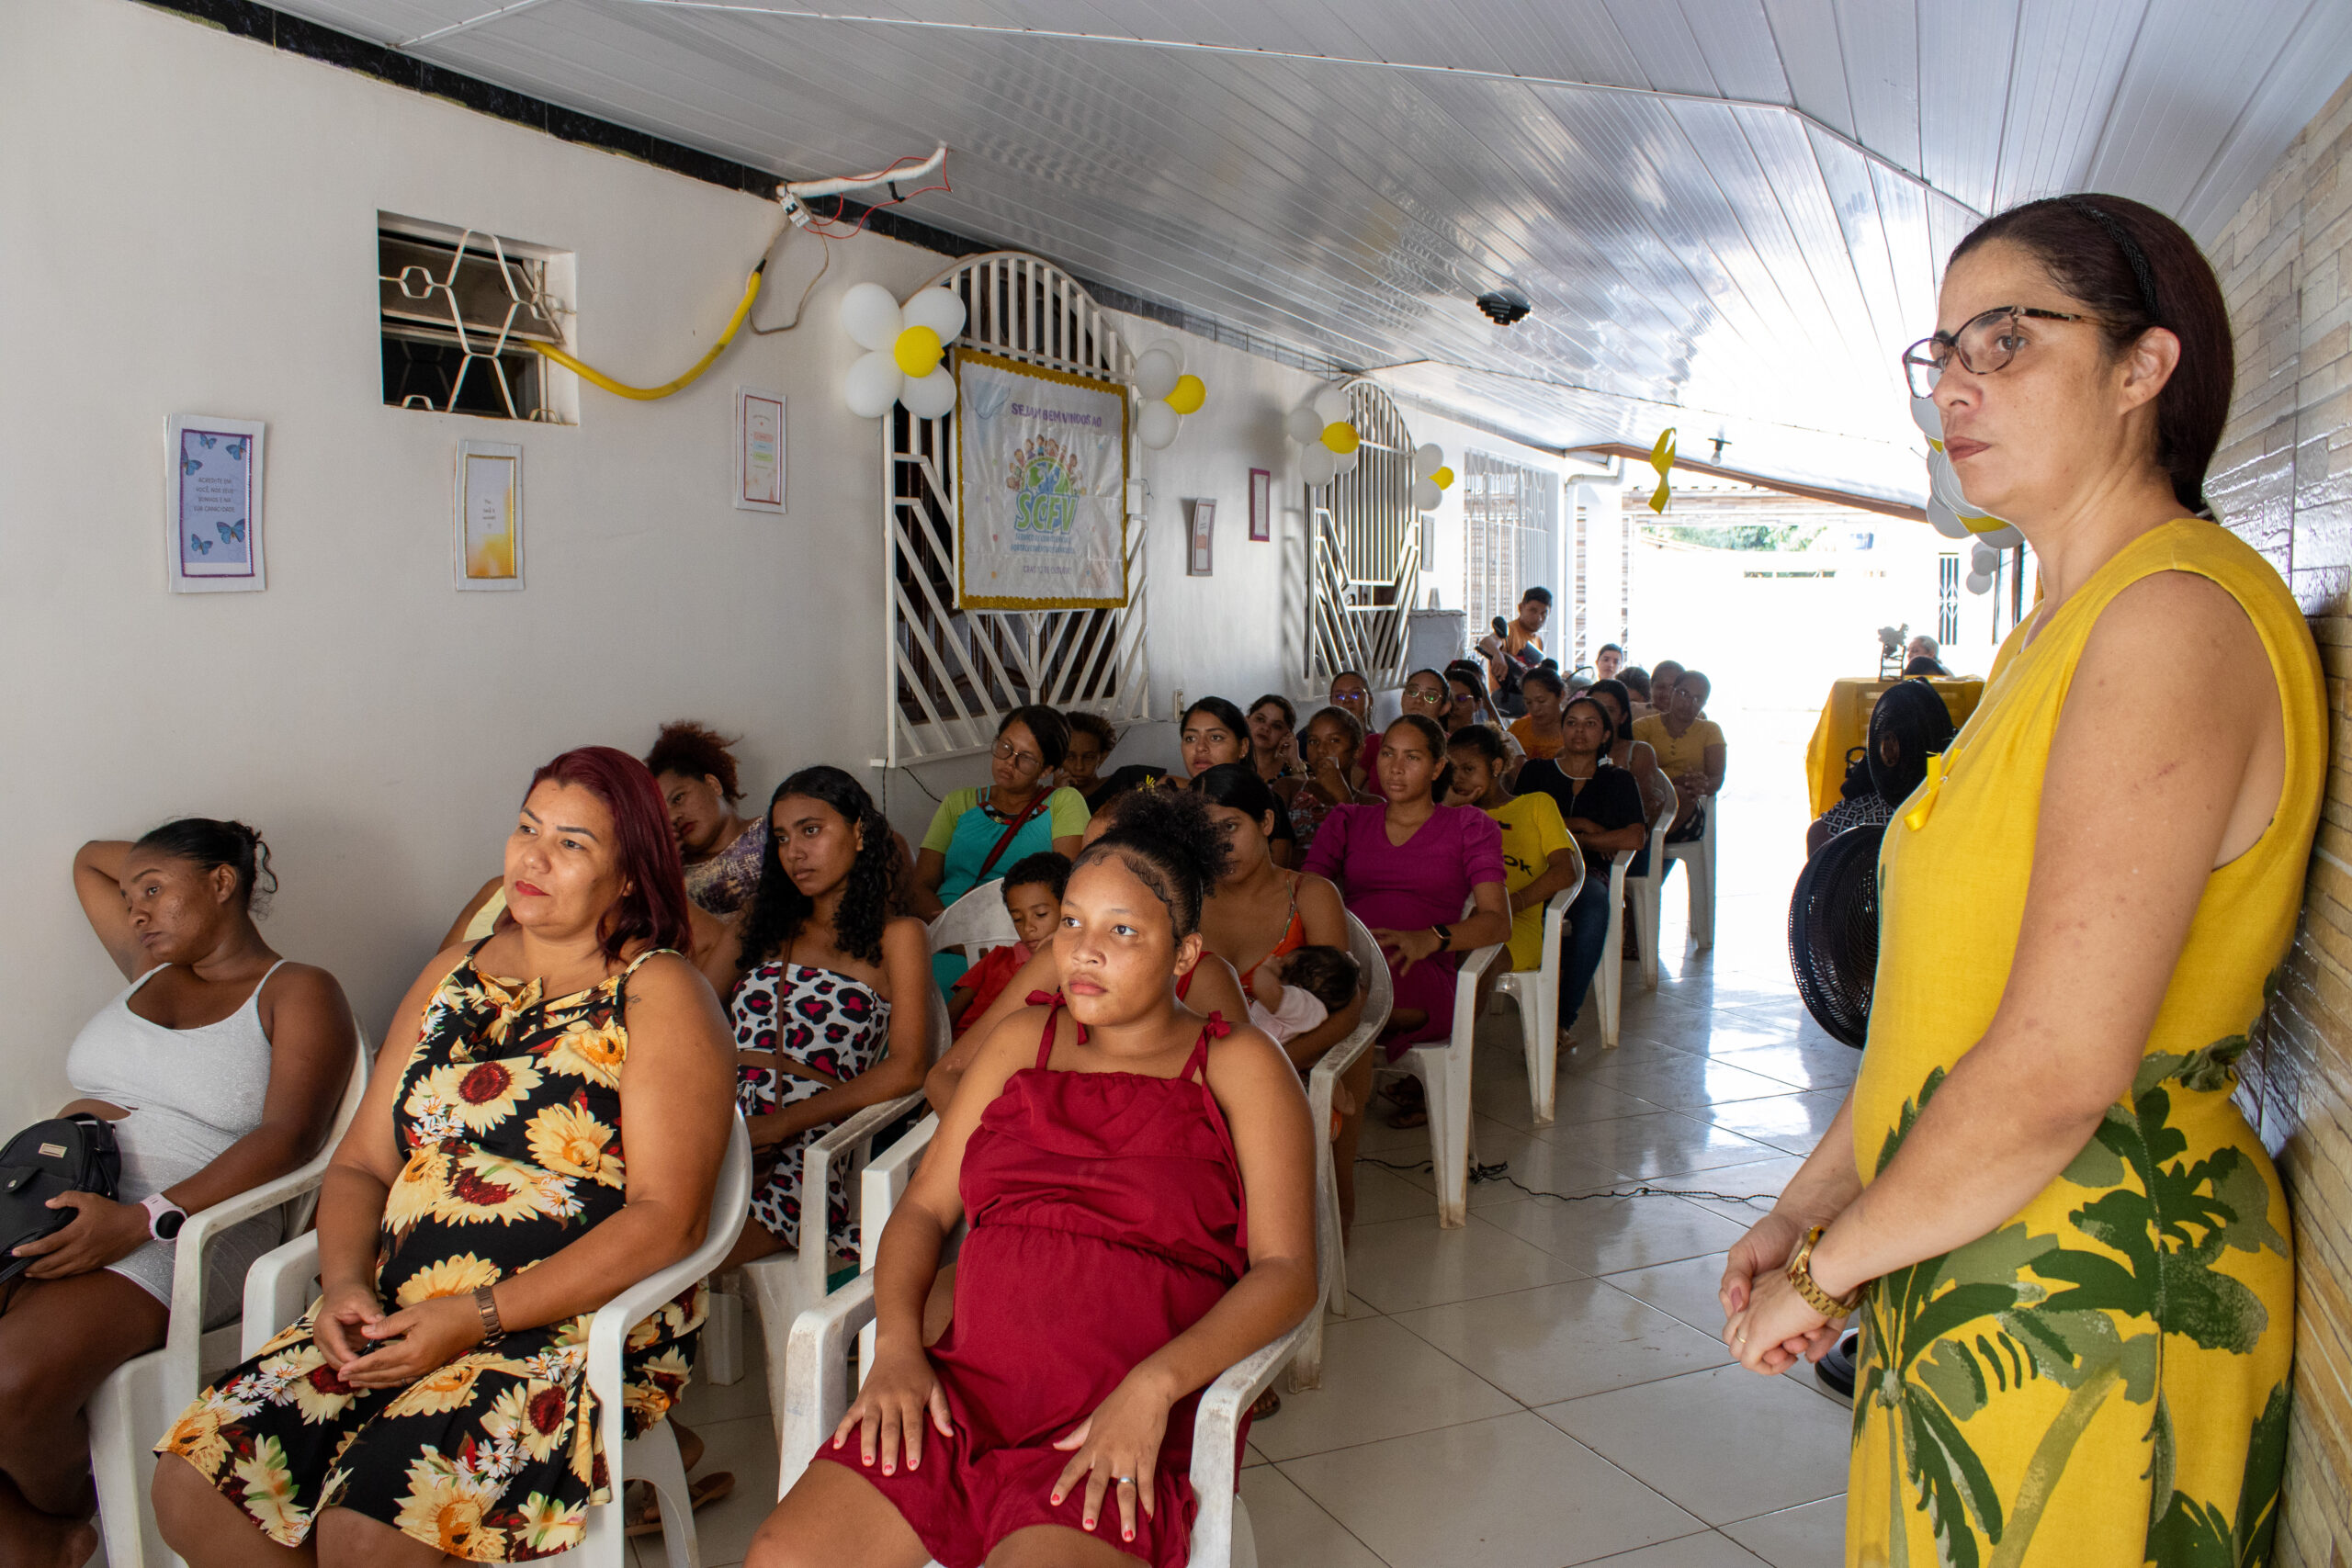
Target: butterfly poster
(490,515)
(212,491)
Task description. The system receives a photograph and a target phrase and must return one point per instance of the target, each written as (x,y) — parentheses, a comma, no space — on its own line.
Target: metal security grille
(1586,518)
(1363,562)
(1946,599)
(951,673)
(458,314)
(1509,515)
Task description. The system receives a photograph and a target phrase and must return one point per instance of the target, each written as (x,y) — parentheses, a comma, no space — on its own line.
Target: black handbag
(71,1153)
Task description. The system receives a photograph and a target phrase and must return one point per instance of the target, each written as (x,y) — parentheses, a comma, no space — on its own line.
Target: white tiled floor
(1544,1387)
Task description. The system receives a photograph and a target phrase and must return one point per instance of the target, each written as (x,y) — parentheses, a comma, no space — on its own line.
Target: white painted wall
(194,232)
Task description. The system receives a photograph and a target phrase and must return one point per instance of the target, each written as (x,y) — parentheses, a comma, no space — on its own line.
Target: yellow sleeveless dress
(2101,1382)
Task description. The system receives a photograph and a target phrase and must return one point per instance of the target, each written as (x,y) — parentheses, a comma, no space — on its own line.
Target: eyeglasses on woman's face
(1984,343)
(1427,696)
(1023,761)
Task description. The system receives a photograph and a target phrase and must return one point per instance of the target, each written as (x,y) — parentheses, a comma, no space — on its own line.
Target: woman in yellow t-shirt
(1689,748)
(1540,859)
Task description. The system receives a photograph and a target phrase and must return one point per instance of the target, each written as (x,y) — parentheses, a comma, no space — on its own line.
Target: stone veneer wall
(2283,481)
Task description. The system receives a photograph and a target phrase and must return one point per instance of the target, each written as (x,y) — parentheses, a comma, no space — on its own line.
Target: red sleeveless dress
(1105,1217)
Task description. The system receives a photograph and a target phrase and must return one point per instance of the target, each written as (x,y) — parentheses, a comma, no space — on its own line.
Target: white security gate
(1363,562)
(952,673)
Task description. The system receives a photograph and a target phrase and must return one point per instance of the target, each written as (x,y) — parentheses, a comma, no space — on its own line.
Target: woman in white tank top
(219,1067)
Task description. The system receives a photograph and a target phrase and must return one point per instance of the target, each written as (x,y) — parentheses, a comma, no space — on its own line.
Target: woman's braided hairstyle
(1166,838)
(779,909)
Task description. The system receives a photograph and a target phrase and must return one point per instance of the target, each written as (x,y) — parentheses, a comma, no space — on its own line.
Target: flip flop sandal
(709,1489)
(1268,1404)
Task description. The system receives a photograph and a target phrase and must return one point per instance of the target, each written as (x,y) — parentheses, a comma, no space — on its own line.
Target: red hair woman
(479,1211)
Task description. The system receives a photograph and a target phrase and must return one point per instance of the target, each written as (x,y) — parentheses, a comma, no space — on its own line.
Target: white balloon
(1425,495)
(1927,417)
(1304,426)
(1333,404)
(1172,349)
(929,397)
(1428,458)
(941,310)
(872,317)
(1348,460)
(872,384)
(2005,537)
(1979,582)
(1318,465)
(1983,560)
(1155,373)
(1942,519)
(1159,425)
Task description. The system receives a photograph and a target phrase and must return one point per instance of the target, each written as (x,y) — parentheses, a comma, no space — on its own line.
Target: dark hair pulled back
(1434,733)
(207,841)
(1481,738)
(1237,787)
(1225,714)
(1165,837)
(780,910)
(1046,726)
(2134,268)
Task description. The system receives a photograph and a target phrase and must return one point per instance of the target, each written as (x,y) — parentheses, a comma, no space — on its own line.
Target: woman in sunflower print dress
(2071,1251)
(434,1403)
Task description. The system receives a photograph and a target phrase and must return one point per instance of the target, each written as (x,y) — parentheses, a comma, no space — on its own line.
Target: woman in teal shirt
(976,833)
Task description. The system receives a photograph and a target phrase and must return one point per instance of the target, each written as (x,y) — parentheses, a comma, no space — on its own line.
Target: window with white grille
(1510,514)
(460,310)
(1364,552)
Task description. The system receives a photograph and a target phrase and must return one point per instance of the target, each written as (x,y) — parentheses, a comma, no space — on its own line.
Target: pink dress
(1423,881)
(1107,1218)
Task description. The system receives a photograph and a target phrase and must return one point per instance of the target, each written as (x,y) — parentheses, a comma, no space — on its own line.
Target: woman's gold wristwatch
(1800,1274)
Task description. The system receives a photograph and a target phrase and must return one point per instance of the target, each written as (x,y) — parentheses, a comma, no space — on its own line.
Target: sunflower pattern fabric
(510,1113)
(2101,1382)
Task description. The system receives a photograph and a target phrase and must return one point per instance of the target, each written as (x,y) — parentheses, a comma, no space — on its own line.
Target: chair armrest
(278,1287)
(884,1182)
(1618,863)
(1216,1436)
(1466,979)
(848,1140)
(817,1375)
(608,1330)
(189,1262)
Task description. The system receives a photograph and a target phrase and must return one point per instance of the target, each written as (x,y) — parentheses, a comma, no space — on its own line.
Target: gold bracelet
(1800,1275)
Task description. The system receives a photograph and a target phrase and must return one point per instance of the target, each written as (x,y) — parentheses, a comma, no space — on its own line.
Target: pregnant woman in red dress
(1139,1181)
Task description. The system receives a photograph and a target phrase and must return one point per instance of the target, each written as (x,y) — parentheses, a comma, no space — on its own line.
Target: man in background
(1516,647)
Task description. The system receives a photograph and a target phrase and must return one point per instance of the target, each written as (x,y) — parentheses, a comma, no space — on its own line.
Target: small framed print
(1261,506)
(758,451)
(488,547)
(212,504)
(1203,560)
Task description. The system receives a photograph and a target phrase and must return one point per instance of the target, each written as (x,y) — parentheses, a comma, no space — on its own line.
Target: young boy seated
(1032,896)
(1292,992)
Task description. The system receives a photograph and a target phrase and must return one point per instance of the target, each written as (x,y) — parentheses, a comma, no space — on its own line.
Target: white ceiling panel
(1729,214)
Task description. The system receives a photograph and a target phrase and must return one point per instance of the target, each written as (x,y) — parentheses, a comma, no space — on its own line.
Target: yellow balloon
(917,351)
(1982,525)
(1441,477)
(1341,437)
(1190,394)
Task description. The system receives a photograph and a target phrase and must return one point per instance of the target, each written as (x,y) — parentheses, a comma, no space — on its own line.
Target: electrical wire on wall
(794,197)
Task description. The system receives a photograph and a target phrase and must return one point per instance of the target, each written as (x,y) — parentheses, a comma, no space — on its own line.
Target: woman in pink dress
(1139,1182)
(1406,868)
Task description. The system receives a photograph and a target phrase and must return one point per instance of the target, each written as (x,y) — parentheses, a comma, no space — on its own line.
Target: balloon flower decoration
(1436,478)
(904,344)
(1326,436)
(1169,393)
(1662,459)
(1950,511)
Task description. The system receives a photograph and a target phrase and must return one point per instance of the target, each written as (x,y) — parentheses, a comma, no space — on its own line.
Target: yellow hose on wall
(734,323)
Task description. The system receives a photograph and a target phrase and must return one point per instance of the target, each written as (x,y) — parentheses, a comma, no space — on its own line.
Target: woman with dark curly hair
(830,1016)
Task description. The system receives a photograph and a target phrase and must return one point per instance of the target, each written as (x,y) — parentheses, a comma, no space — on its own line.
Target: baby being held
(1292,992)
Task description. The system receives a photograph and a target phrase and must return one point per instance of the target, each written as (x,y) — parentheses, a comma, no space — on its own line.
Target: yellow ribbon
(1917,815)
(1662,459)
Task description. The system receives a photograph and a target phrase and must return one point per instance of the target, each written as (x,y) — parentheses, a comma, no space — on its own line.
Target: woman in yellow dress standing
(2070,1252)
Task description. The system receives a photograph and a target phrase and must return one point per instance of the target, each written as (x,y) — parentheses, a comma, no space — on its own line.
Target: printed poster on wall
(1041,487)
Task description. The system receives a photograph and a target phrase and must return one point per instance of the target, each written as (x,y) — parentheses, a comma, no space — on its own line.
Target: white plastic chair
(977,920)
(1536,993)
(146,1394)
(1306,1371)
(1698,858)
(819,1394)
(285,1281)
(1443,1068)
(1647,892)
